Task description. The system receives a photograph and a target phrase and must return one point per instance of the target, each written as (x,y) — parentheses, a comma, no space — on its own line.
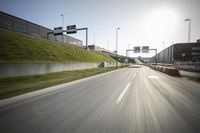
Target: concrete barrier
(13,70)
(172,71)
(168,70)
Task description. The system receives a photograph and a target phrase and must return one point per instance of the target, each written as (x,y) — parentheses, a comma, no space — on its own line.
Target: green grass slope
(20,48)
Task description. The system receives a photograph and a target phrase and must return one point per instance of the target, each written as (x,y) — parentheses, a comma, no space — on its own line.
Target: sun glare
(160,24)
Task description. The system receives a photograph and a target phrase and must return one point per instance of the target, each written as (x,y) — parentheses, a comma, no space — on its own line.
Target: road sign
(58,31)
(136,49)
(145,49)
(71,29)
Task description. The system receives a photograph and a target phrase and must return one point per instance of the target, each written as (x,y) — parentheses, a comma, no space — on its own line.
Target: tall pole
(62,26)
(86,38)
(107,44)
(189,28)
(126,57)
(117,45)
(128,48)
(163,53)
(156,57)
(94,38)
(129,45)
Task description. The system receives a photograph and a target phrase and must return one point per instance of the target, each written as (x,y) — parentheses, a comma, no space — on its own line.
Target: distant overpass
(120,58)
(138,61)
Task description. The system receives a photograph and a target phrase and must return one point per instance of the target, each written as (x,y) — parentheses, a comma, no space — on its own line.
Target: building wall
(166,55)
(19,25)
(187,52)
(180,52)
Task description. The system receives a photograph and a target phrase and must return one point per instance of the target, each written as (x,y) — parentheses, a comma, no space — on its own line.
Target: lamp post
(62,26)
(62,16)
(189,27)
(117,44)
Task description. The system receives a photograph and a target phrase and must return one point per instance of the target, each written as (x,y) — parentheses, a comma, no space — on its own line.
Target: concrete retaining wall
(12,70)
(190,74)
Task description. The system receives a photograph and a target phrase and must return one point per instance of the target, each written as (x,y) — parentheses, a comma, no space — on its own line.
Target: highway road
(128,100)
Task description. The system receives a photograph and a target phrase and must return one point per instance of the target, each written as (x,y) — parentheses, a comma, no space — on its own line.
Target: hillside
(20,48)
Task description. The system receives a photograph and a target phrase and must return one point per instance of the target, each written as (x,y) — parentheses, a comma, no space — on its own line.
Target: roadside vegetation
(18,85)
(20,48)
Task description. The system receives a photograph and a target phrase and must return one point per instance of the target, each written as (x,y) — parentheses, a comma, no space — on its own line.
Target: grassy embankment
(20,48)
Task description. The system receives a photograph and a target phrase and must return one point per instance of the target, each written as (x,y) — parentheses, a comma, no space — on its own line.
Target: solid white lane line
(123,93)
(134,75)
(153,77)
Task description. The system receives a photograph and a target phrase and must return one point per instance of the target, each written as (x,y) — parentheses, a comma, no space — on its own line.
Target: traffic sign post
(155,55)
(127,62)
(71,29)
(145,49)
(86,32)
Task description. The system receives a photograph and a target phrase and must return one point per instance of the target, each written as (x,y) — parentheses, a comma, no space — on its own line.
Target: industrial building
(184,56)
(16,24)
(180,52)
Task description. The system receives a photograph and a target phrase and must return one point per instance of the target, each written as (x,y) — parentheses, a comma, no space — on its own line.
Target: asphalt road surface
(129,100)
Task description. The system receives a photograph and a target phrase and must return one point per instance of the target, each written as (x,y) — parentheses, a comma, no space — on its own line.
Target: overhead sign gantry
(145,49)
(71,29)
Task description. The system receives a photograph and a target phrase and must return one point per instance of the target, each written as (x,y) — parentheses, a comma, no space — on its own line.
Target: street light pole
(94,38)
(117,44)
(62,26)
(108,45)
(189,28)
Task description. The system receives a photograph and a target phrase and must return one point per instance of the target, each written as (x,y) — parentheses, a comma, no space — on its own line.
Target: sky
(154,23)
